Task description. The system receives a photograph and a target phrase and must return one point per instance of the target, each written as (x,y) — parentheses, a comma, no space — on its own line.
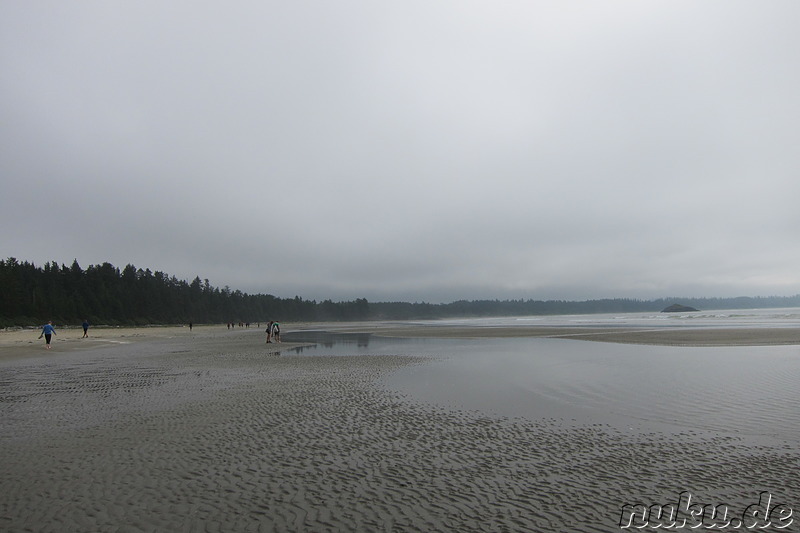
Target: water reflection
(317,342)
(744,390)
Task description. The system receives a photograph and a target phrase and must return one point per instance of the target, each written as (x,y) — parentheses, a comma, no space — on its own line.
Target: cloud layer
(409,150)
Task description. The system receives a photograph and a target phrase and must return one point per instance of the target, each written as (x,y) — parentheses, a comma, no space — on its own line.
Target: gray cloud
(410,150)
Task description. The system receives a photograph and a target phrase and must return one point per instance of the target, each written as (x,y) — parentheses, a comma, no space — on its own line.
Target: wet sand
(673,336)
(213,430)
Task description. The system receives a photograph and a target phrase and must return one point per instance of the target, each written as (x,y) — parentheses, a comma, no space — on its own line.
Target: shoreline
(25,342)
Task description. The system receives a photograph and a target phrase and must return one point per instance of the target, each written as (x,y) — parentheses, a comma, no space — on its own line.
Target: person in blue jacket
(48,331)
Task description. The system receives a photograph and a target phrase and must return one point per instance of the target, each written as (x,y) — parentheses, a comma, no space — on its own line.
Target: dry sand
(19,342)
(213,430)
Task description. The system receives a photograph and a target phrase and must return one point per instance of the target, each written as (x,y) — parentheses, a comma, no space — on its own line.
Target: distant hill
(677,308)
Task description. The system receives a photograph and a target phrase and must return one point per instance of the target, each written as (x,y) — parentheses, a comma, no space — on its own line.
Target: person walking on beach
(269,331)
(48,331)
(85,328)
(276,331)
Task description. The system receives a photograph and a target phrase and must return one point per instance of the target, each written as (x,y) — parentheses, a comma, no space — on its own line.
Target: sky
(411,150)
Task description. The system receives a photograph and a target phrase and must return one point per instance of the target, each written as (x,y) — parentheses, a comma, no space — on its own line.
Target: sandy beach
(163,429)
(25,342)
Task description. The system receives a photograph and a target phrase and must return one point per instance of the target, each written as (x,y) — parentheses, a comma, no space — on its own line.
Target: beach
(166,429)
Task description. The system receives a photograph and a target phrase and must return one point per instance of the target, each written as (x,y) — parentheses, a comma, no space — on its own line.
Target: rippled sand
(214,431)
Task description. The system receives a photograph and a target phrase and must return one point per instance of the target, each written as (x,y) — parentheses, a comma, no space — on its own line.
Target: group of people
(48,330)
(273,331)
(241,325)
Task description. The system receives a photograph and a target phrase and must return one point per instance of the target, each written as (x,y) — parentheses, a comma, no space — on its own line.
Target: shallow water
(744,391)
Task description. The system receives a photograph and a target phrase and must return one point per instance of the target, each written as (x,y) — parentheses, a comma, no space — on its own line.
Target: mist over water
(721,318)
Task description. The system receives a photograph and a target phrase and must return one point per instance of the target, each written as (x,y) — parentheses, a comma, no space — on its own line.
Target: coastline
(23,342)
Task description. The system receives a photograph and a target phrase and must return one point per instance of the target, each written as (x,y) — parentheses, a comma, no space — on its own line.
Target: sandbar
(666,336)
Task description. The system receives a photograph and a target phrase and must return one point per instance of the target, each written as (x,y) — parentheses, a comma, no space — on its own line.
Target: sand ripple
(203,440)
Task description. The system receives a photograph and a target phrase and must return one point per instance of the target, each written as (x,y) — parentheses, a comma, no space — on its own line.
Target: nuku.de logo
(685,514)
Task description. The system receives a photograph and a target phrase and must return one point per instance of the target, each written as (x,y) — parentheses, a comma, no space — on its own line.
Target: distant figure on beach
(190,326)
(269,331)
(85,328)
(48,331)
(276,331)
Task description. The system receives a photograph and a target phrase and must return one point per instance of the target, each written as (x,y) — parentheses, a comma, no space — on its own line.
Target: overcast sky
(408,150)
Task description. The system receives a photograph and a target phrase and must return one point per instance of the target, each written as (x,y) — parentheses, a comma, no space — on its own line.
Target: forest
(105,295)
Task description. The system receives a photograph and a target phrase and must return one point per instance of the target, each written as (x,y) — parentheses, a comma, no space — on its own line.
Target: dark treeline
(104,294)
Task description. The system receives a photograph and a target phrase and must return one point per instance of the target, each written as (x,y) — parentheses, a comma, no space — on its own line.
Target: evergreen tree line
(104,294)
